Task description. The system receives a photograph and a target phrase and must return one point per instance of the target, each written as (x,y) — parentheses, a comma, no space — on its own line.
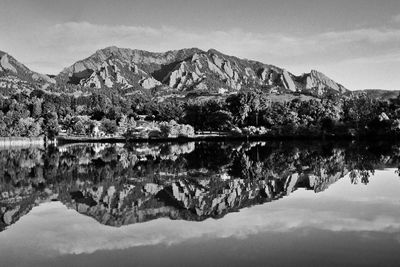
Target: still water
(201,204)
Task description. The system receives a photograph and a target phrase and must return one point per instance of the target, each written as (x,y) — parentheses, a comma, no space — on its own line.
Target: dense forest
(248,112)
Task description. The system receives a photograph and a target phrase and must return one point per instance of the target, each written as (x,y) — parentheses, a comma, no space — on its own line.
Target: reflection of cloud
(396,18)
(54,227)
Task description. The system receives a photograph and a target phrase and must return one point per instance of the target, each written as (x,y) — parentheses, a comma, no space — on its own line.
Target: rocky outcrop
(113,73)
(288,81)
(5,64)
(320,83)
(182,77)
(383,117)
(149,82)
(270,76)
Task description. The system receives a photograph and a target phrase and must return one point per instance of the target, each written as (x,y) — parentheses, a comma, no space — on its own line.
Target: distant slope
(379,93)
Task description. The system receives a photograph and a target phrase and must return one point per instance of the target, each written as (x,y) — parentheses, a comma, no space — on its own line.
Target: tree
(109,126)
(123,125)
(220,120)
(169,110)
(79,128)
(3,125)
(359,109)
(247,103)
(36,108)
(194,115)
(50,125)
(35,129)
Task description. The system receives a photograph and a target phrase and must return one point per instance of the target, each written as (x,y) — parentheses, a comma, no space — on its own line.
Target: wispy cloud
(396,18)
(369,35)
(73,40)
(54,230)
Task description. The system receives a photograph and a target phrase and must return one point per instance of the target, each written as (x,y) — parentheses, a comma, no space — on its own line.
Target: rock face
(288,81)
(16,76)
(5,64)
(318,82)
(187,70)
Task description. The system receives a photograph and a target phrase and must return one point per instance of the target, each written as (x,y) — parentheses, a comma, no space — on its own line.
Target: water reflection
(120,184)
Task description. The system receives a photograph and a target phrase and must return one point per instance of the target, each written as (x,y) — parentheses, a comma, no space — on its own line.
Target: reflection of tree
(120,184)
(360,175)
(364,159)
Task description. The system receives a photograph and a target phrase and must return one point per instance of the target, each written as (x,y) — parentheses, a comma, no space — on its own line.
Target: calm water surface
(201,204)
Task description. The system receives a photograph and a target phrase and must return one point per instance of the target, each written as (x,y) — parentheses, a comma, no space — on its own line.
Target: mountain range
(178,71)
(182,70)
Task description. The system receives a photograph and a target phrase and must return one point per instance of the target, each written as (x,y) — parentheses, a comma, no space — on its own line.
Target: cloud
(396,18)
(370,36)
(84,37)
(71,41)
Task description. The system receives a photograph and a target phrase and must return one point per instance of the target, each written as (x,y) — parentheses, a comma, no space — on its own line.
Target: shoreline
(212,137)
(26,142)
(73,139)
(21,142)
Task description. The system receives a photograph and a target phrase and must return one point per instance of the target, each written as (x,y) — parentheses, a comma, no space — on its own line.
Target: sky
(355,42)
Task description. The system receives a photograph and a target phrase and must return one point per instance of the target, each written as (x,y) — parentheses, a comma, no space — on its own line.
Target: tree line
(248,112)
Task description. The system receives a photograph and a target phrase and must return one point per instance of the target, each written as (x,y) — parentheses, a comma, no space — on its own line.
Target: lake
(201,204)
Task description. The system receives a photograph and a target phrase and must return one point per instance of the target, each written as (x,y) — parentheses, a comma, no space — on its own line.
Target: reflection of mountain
(118,185)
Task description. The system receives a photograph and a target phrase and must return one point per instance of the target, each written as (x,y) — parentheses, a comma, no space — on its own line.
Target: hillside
(15,76)
(379,93)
